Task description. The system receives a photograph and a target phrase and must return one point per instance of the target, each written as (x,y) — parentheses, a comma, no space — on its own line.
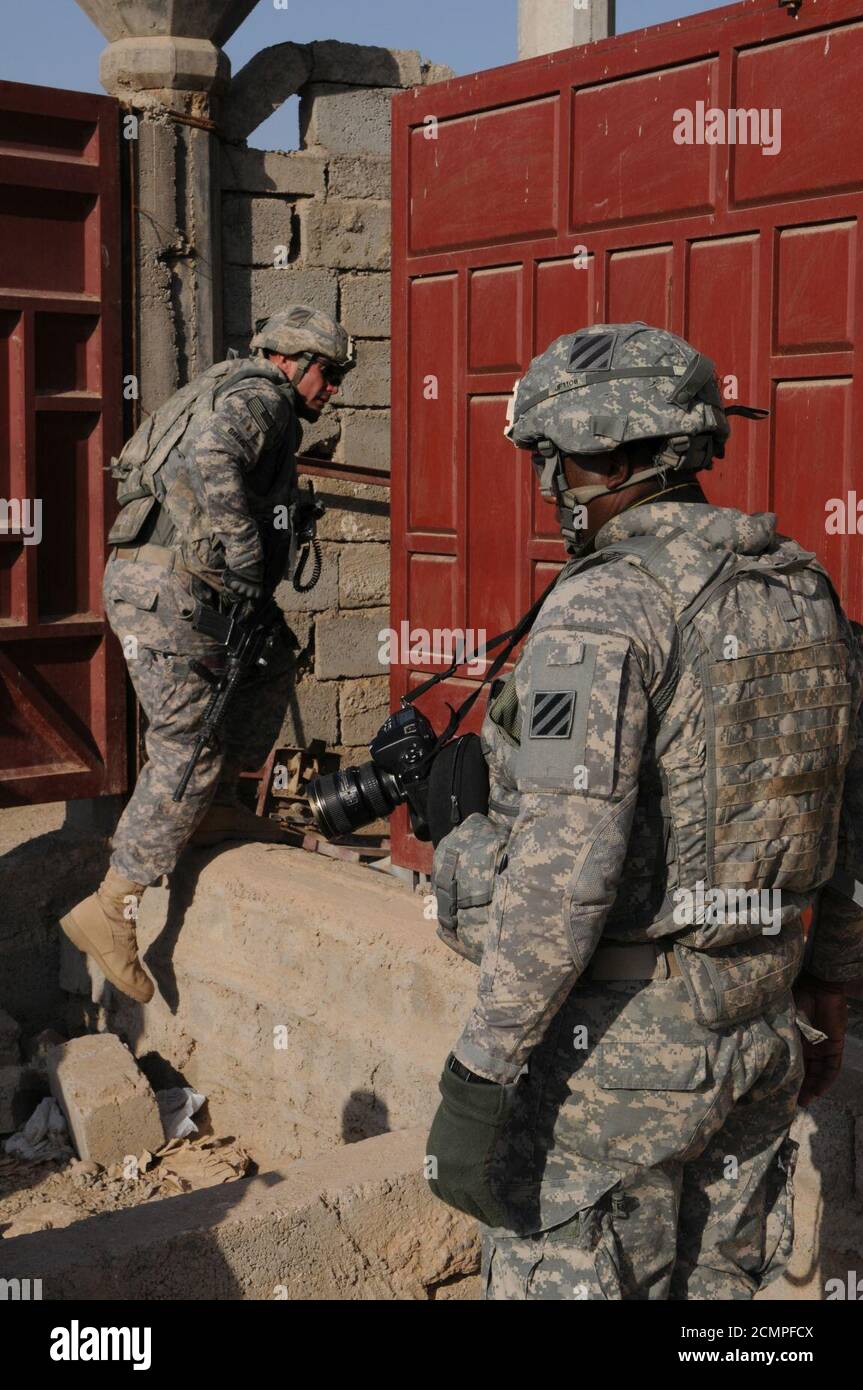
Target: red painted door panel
(535,199)
(62,688)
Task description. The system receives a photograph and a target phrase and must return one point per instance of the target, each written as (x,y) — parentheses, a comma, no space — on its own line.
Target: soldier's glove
(826,1008)
(464,1132)
(243,585)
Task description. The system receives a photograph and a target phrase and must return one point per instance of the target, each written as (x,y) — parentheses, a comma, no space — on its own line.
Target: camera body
(346,801)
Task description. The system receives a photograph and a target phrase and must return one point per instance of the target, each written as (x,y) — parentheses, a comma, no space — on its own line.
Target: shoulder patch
(261,415)
(552,713)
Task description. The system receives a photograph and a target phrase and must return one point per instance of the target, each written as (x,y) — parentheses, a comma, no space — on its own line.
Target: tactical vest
(751,729)
(138,470)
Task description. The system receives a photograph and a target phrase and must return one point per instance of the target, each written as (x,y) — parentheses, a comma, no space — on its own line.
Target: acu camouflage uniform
(636,750)
(228,485)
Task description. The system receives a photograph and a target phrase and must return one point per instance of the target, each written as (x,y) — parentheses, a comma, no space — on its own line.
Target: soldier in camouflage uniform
(208,494)
(675,773)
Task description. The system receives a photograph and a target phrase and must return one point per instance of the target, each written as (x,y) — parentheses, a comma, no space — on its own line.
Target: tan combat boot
(103,926)
(235,822)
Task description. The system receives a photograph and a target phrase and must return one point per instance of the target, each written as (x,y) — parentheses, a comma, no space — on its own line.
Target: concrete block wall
(314,225)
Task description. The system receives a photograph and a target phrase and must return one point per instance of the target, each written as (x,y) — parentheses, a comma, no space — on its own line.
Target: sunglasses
(331,372)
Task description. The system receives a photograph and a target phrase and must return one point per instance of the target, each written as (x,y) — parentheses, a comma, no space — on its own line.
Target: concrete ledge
(308,998)
(358,1223)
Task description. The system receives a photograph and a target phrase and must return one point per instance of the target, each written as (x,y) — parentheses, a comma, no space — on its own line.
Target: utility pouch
(466,864)
(737,983)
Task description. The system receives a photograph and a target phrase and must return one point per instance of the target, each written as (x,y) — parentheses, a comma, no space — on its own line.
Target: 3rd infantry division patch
(551,713)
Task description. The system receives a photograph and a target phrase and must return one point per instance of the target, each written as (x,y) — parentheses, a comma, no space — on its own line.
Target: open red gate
(534,199)
(62,686)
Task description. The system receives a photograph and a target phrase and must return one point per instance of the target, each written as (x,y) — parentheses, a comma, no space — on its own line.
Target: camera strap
(511,639)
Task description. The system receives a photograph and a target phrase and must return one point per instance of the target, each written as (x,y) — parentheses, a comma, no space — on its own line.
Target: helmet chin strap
(672,459)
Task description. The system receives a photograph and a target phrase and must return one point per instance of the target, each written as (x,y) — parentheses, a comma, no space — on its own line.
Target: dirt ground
(44,1195)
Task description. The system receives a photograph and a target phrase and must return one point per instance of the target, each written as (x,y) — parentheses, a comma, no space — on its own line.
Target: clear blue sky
(54,44)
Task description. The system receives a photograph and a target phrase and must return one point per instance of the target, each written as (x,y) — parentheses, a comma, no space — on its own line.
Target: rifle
(248,641)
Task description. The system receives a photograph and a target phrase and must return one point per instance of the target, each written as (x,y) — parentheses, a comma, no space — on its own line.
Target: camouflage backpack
(143,456)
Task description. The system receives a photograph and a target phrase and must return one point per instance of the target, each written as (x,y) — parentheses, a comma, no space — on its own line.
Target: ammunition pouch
(466,865)
(733,984)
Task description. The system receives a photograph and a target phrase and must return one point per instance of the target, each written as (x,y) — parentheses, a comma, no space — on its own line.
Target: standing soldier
(211,514)
(673,778)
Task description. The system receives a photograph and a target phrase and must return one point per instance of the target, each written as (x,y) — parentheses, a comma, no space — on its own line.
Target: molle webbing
(506,712)
(777,754)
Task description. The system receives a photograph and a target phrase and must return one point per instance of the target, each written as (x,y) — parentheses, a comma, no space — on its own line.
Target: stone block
(364,576)
(301,625)
(355,511)
(349,645)
(251,294)
(10,1040)
(321,437)
(351,233)
(365,65)
(363,707)
(346,120)
(365,439)
(365,304)
(436,72)
(109,1106)
(369,382)
(253,229)
(269,171)
(313,712)
(359,176)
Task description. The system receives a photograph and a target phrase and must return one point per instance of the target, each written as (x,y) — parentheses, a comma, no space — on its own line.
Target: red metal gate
(535,199)
(62,688)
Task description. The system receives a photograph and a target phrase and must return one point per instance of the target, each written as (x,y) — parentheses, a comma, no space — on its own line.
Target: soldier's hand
(243,585)
(464,1133)
(826,1008)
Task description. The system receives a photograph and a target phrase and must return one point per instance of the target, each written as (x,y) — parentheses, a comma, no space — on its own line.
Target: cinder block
(359,176)
(363,707)
(353,234)
(369,383)
(364,576)
(10,1040)
(365,301)
(365,65)
(436,72)
(355,511)
(346,120)
(109,1106)
(253,229)
(365,439)
(313,712)
(321,437)
(350,645)
(250,294)
(301,625)
(268,171)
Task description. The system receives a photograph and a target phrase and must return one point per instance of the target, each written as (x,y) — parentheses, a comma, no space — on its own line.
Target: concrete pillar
(544,26)
(164,62)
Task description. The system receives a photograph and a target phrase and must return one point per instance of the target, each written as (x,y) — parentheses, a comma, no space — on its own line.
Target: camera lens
(344,802)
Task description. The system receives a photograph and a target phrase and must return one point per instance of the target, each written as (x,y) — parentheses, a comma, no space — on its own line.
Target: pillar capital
(158,46)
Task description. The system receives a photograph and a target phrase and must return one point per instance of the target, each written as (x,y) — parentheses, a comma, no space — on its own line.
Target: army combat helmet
(306,333)
(614,384)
